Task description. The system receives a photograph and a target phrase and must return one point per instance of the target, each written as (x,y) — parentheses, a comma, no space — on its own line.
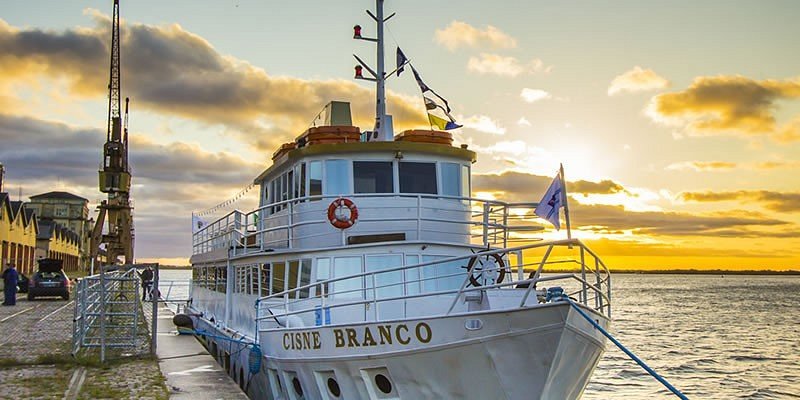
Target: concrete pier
(191,372)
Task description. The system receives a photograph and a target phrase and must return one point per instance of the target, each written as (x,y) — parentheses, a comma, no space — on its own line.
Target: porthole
(333,387)
(383,383)
(297,387)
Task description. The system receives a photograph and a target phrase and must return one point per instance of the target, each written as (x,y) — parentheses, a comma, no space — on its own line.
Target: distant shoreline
(694,272)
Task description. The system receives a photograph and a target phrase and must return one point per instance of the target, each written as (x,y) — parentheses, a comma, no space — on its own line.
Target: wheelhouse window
(451,179)
(337,177)
(315,178)
(417,177)
(373,177)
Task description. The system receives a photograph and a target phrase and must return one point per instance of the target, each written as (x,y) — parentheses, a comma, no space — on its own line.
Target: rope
(630,354)
(226,203)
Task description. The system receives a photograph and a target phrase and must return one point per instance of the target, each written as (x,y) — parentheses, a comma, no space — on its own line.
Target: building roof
(58,195)
(52,229)
(16,208)
(4,199)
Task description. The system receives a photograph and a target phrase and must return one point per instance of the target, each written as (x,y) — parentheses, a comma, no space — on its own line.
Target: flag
(552,201)
(432,105)
(401,61)
(198,223)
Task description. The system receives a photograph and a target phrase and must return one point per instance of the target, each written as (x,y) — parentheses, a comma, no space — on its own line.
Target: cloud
(789,132)
(605,186)
(522,121)
(727,104)
(775,201)
(483,123)
(461,34)
(171,71)
(522,187)
(169,180)
(504,65)
(637,80)
(769,165)
(702,166)
(534,95)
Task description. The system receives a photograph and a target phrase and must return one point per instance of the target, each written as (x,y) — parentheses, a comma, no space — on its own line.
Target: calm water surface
(711,336)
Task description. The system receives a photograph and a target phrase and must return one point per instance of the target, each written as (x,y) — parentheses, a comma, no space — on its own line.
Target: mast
(383,122)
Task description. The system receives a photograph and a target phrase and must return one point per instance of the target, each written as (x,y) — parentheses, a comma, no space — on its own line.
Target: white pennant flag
(552,201)
(198,223)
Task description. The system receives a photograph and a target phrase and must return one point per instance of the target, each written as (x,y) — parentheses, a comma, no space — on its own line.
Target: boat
(368,271)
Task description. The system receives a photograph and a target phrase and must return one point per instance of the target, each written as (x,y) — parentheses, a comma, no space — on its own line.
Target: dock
(190,371)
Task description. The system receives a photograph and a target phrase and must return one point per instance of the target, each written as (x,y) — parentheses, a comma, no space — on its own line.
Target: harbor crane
(115,175)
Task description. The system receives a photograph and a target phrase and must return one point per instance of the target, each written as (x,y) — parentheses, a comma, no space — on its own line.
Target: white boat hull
(543,352)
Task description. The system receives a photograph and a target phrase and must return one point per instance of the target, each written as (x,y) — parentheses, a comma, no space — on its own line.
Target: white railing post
(505,226)
(583,276)
(486,209)
(290,222)
(419,217)
(374,298)
(599,288)
(520,266)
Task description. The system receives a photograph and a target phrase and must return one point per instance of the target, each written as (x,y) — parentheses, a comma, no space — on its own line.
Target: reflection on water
(711,336)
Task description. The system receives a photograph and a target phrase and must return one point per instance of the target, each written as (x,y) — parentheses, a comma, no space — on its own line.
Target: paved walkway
(190,371)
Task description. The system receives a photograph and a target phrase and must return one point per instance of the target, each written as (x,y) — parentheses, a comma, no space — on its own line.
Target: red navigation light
(358,72)
(357,32)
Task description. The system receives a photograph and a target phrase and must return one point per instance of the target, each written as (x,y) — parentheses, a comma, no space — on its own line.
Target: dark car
(22,284)
(49,280)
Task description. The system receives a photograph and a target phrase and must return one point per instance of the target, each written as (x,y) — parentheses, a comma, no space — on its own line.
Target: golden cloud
(461,34)
(775,201)
(637,79)
(702,166)
(719,104)
(171,71)
(504,66)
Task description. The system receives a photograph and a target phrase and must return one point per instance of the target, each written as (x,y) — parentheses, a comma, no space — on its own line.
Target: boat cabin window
(279,276)
(451,179)
(347,288)
(373,177)
(337,177)
(315,178)
(417,177)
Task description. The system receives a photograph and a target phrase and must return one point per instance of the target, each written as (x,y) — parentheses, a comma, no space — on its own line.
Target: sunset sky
(678,122)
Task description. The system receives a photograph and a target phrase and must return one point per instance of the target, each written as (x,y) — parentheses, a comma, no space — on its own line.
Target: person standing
(147,283)
(10,279)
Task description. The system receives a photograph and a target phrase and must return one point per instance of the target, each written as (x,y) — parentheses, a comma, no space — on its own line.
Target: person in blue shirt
(10,279)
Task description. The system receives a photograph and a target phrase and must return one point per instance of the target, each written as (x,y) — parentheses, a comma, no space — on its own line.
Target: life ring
(498,261)
(337,218)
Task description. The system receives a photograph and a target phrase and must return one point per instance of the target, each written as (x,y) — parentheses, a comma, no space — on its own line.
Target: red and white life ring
(340,218)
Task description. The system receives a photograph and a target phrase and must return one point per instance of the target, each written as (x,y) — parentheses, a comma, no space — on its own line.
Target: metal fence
(114,315)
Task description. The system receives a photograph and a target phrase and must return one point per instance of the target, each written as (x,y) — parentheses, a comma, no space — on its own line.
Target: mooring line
(54,312)
(20,312)
(630,354)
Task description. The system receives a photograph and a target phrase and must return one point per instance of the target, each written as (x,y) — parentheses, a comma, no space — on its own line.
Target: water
(711,336)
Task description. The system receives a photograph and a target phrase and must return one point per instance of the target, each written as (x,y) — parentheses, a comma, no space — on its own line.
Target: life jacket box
(285,148)
(329,135)
(425,136)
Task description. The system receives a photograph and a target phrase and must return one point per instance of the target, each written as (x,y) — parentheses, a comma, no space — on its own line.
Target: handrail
(240,229)
(288,299)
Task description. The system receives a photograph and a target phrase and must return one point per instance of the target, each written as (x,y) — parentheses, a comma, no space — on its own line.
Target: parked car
(49,280)
(22,284)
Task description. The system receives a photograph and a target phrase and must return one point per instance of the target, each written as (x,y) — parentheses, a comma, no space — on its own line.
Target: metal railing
(110,314)
(287,223)
(589,284)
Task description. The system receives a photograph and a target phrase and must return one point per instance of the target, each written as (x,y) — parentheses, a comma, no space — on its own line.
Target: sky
(678,123)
